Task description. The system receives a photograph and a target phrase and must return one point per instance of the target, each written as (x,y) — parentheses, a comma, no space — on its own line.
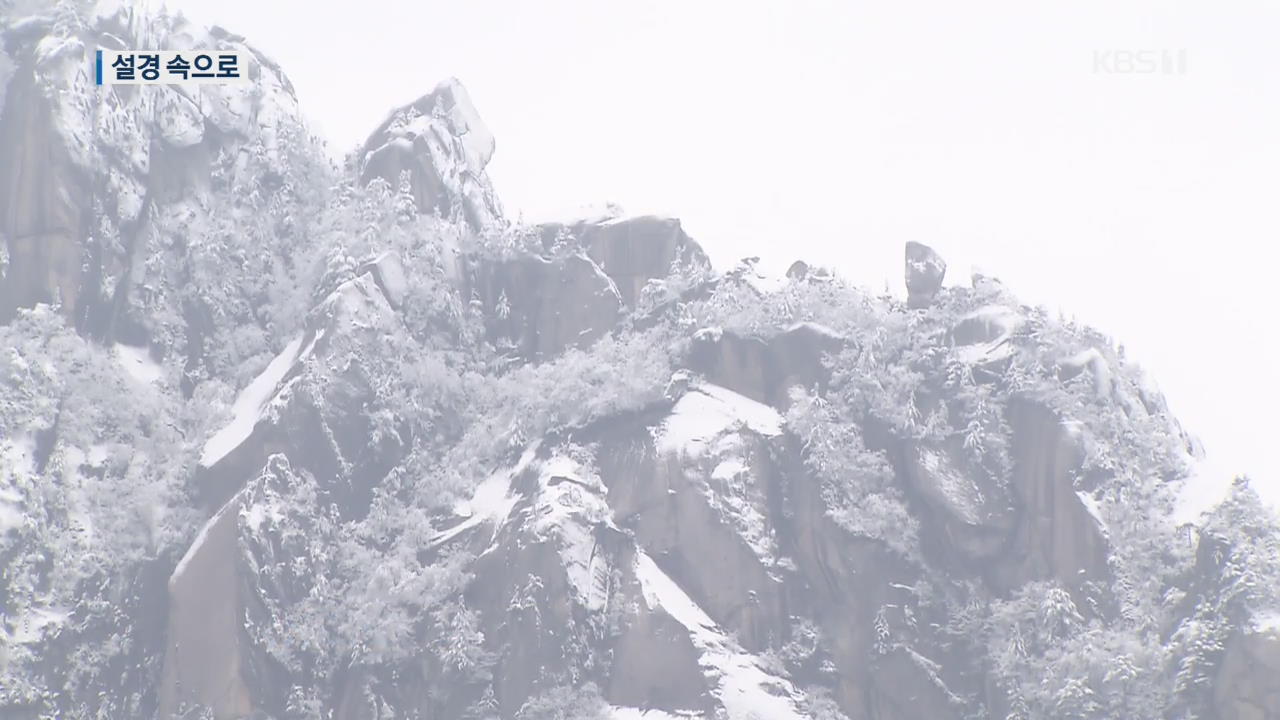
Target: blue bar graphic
(99,68)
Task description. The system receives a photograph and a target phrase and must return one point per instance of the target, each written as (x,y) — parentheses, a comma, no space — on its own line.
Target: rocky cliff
(281,440)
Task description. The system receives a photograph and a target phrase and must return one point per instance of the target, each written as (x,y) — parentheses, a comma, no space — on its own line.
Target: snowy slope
(743,687)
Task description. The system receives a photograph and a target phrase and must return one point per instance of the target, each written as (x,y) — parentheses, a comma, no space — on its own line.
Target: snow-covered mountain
(285,440)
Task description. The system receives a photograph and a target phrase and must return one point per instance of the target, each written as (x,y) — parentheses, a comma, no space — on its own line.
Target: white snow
(253,400)
(738,495)
(764,283)
(1001,322)
(817,328)
(1207,485)
(960,491)
(234,504)
(1092,361)
(567,513)
(137,362)
(31,625)
(391,277)
(1268,622)
(1094,507)
(708,410)
(492,500)
(630,713)
(728,469)
(743,687)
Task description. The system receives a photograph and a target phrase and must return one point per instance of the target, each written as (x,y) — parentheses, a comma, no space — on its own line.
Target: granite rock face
(826,506)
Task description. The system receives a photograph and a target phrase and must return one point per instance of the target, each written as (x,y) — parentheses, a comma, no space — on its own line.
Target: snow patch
(707,411)
(742,686)
(1094,507)
(631,713)
(570,504)
(203,535)
(492,500)
(390,274)
(251,401)
(998,324)
(1092,361)
(816,328)
(137,362)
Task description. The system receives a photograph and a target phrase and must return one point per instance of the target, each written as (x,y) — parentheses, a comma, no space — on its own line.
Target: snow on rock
(493,500)
(744,688)
(984,335)
(389,274)
(631,713)
(1094,506)
(959,490)
(748,271)
(591,212)
(816,329)
(254,399)
(740,496)
(137,362)
(569,505)
(233,505)
(707,411)
(440,139)
(1093,361)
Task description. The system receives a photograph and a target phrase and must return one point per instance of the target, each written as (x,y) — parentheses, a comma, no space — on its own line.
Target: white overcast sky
(1147,204)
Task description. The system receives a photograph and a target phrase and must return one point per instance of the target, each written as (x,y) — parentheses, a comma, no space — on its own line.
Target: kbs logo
(170,67)
(1140,62)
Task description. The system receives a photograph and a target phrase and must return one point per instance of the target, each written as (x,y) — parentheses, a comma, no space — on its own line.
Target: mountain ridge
(397,455)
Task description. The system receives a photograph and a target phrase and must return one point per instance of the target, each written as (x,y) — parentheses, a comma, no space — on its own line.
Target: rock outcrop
(84,169)
(441,142)
(361,536)
(925,270)
(763,369)
(631,250)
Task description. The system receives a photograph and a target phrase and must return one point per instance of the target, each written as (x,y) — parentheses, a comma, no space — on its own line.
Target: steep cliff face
(84,173)
(408,459)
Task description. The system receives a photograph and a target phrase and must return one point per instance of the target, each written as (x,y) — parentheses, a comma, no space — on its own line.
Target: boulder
(925,270)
